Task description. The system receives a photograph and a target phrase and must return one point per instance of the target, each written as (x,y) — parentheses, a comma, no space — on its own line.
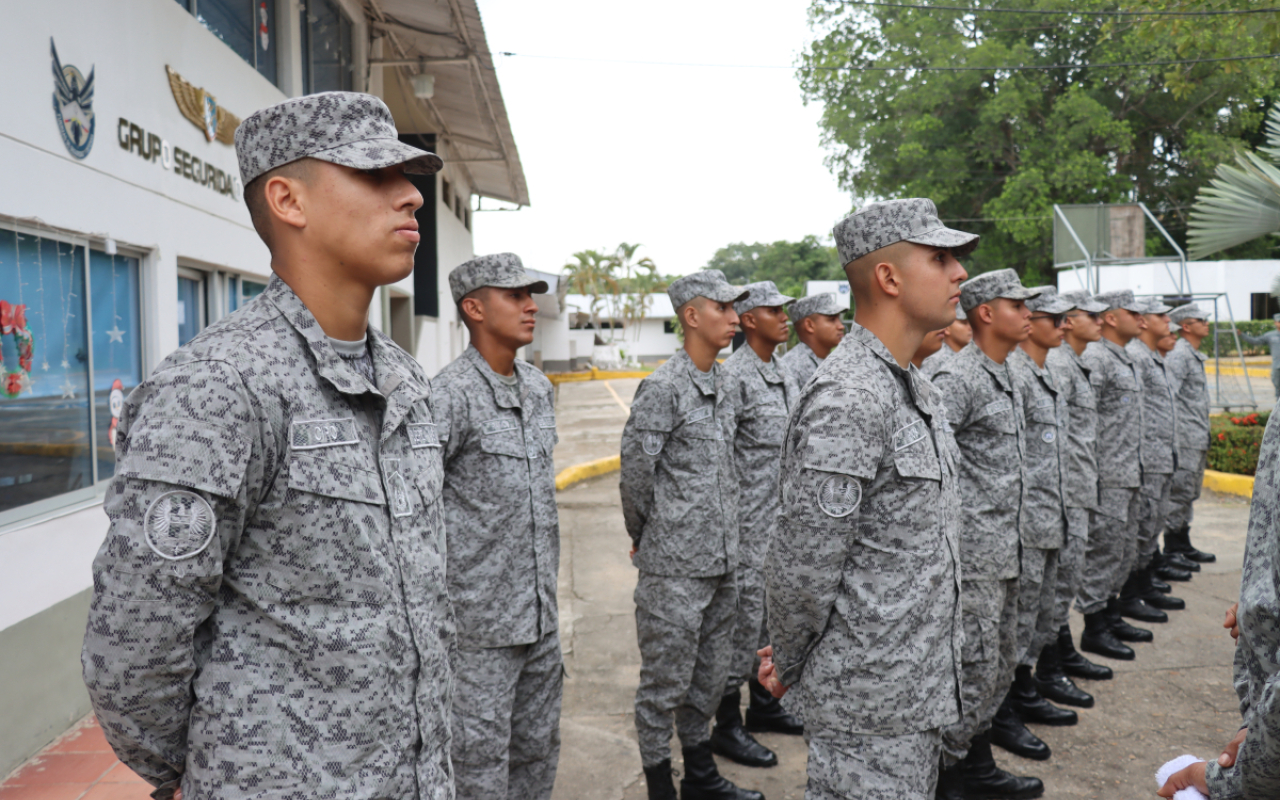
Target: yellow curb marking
(580,472)
(1225,482)
(625,407)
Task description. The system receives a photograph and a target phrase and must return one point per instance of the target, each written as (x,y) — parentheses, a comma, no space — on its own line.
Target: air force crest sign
(73,105)
(210,116)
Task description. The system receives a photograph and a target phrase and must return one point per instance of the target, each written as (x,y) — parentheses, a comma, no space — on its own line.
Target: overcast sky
(683,160)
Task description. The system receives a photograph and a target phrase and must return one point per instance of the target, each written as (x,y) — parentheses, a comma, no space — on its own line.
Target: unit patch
(179,525)
(397,488)
(499,424)
(839,496)
(311,434)
(652,443)
(1049,436)
(422,434)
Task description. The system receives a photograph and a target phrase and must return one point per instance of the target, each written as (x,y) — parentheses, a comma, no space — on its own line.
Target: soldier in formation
(680,505)
(955,338)
(863,576)
(497,430)
(819,327)
(761,394)
(1185,369)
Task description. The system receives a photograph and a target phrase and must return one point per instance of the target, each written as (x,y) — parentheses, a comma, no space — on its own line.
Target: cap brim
(958,242)
(772,300)
(1160,309)
(1057,305)
(726,294)
(1092,306)
(380,153)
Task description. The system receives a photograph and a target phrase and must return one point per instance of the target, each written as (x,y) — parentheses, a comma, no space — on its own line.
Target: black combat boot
(1131,604)
(1076,665)
(765,713)
(731,740)
(1123,630)
(1098,638)
(1053,682)
(983,780)
(950,783)
(1179,542)
(1152,595)
(1031,706)
(658,780)
(1007,731)
(1177,561)
(1168,571)
(1160,585)
(702,781)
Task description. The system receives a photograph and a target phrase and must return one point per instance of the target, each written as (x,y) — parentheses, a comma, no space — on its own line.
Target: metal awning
(445,38)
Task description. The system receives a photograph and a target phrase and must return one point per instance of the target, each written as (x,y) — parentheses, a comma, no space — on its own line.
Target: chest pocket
(765,423)
(997,417)
(316,475)
(701,423)
(1122,394)
(504,436)
(914,455)
(1045,412)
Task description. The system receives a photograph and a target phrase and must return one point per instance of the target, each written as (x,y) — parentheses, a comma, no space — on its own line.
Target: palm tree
(593,276)
(1243,202)
(639,280)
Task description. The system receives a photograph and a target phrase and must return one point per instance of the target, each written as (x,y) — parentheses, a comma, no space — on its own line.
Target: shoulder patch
(312,434)
(839,496)
(652,443)
(179,525)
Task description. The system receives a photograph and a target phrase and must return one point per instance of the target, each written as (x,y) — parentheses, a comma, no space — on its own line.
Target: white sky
(684,160)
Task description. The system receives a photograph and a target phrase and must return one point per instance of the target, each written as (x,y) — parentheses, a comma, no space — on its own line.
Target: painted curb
(1227,483)
(580,472)
(593,375)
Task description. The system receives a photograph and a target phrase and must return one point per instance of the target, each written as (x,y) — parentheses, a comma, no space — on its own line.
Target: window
(246,26)
(241,291)
(1263,305)
(327,45)
(192,312)
(668,326)
(72,351)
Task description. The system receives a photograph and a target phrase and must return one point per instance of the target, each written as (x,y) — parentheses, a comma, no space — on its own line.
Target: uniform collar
(1183,343)
(503,395)
(768,369)
(923,393)
(1117,350)
(998,371)
(1031,362)
(808,353)
(872,342)
(707,382)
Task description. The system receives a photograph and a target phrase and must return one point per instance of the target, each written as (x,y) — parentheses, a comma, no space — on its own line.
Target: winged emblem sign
(202,110)
(73,105)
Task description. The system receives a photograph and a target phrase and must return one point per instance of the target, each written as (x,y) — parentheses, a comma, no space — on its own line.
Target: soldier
(818,326)
(1079,492)
(929,346)
(498,429)
(1185,369)
(270,615)
(1139,597)
(1113,543)
(1272,340)
(956,337)
(985,410)
(680,504)
(762,394)
(863,576)
(1042,524)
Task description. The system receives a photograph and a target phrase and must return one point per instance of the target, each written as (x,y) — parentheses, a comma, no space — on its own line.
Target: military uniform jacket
(1078,447)
(761,395)
(1272,340)
(269,615)
(1158,422)
(679,488)
(1256,773)
(986,413)
(800,362)
(499,501)
(933,363)
(863,576)
(1184,367)
(1119,393)
(1042,524)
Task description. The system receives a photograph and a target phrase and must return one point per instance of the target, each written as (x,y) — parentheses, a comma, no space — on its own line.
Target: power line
(899,68)
(1073,13)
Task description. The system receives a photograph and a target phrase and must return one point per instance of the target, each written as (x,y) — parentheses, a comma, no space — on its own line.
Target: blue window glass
(247,26)
(328,47)
(45,416)
(250,290)
(117,346)
(191,311)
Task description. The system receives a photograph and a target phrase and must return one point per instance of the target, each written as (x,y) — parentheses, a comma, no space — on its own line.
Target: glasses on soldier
(1058,319)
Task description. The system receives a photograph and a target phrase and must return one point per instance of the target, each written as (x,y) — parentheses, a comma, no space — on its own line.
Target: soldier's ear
(888,277)
(472,308)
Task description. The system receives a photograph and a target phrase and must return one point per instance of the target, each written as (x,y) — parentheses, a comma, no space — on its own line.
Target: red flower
(13,383)
(1222,437)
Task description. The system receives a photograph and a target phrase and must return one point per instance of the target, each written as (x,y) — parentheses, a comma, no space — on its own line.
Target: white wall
(1237,279)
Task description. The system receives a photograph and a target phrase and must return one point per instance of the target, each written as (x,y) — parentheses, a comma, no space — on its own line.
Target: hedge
(1234,442)
(1227,342)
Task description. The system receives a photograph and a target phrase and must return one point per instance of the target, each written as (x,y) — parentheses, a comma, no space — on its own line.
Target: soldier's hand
(632,554)
(1232,622)
(768,673)
(1188,776)
(1232,750)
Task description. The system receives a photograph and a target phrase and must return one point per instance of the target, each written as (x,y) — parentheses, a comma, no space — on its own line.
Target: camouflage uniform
(985,411)
(935,362)
(1112,549)
(1041,524)
(800,363)
(1256,774)
(863,577)
(1157,449)
(503,555)
(1272,340)
(270,615)
(1184,367)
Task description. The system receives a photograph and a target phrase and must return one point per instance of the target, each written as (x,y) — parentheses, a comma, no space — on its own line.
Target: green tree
(787,264)
(592,274)
(995,149)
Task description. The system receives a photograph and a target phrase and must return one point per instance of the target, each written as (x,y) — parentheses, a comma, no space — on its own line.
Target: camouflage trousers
(749,631)
(685,630)
(1185,489)
(1037,594)
(989,613)
(506,720)
(864,767)
(1070,563)
(1153,503)
(1112,549)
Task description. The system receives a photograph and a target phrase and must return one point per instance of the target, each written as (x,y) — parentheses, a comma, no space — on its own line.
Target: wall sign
(73,105)
(202,110)
(151,147)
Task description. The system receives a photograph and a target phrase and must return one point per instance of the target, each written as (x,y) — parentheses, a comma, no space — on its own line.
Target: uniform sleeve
(954,392)
(643,439)
(176,506)
(1097,369)
(450,419)
(832,455)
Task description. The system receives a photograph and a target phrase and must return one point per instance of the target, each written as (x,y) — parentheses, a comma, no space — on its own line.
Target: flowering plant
(13,322)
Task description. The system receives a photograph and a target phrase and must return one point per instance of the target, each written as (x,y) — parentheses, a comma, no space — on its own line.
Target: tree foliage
(996,149)
(617,282)
(788,264)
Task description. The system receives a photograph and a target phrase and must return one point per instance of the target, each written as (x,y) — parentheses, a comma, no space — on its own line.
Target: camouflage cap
(708,283)
(990,285)
(825,303)
(502,270)
(1049,301)
(1154,305)
(1084,302)
(960,315)
(347,128)
(761,293)
(881,224)
(1189,311)
(1121,298)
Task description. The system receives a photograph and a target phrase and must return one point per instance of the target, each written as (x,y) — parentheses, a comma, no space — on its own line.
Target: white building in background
(123,232)
(1245,284)
(839,288)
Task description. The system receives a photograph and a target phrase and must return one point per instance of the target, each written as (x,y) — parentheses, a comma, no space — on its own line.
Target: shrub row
(1227,342)
(1234,442)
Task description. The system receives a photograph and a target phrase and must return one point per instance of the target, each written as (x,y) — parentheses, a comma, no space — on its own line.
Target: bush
(1234,442)
(1227,342)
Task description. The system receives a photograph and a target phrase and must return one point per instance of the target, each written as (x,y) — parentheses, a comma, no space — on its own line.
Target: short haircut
(255,194)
